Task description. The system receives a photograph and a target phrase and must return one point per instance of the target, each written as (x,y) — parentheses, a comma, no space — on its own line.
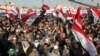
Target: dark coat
(3,43)
(78,51)
(22,53)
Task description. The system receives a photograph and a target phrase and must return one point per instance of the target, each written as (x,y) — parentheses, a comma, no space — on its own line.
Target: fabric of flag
(61,14)
(96,14)
(84,40)
(2,9)
(29,18)
(78,17)
(18,12)
(46,7)
(97,11)
(84,12)
(81,36)
(78,21)
(29,11)
(11,14)
(70,15)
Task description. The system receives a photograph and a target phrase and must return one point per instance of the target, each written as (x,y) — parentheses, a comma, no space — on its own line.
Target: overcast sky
(51,3)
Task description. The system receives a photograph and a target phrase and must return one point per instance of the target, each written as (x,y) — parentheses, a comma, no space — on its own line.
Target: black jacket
(22,53)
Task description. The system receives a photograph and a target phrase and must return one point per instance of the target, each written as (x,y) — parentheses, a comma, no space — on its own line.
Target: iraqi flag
(82,37)
(96,14)
(29,18)
(30,11)
(46,7)
(78,18)
(62,15)
(18,10)
(70,15)
(11,14)
(2,10)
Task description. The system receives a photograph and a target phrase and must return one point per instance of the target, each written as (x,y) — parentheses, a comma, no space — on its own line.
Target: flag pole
(42,2)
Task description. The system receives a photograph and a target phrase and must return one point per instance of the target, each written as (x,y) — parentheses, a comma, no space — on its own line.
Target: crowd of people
(47,36)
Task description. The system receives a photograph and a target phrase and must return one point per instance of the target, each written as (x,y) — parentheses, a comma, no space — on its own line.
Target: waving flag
(46,7)
(30,17)
(61,14)
(84,40)
(30,11)
(82,37)
(78,21)
(2,10)
(11,14)
(70,15)
(96,14)
(78,18)
(18,12)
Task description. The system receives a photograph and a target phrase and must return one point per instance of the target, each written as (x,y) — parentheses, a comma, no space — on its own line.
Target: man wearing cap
(55,51)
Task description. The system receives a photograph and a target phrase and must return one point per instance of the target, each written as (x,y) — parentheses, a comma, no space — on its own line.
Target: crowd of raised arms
(47,36)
